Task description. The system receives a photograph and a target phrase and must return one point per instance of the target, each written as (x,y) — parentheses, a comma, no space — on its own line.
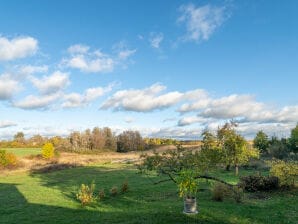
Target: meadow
(33,197)
(22,152)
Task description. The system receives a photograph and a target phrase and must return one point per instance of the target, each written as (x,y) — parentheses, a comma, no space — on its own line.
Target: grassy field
(50,198)
(22,152)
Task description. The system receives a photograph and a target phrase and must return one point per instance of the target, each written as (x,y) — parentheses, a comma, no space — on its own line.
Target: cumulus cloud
(95,61)
(148,99)
(6,124)
(201,22)
(232,106)
(73,100)
(156,39)
(31,69)
(142,100)
(19,47)
(175,132)
(52,83)
(92,64)
(78,49)
(8,86)
(37,102)
(191,120)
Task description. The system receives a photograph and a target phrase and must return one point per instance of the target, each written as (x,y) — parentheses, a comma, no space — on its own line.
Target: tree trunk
(236,169)
(228,167)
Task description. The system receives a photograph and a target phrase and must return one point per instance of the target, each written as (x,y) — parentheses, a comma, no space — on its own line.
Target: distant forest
(97,139)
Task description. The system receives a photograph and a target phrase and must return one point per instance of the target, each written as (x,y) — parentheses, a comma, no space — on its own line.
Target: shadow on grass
(15,209)
(143,203)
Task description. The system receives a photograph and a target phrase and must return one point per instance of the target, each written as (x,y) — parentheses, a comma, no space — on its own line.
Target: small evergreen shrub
(86,194)
(48,151)
(124,187)
(114,191)
(253,183)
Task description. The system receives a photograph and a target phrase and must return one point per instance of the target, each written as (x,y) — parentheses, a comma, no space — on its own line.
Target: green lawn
(21,152)
(50,198)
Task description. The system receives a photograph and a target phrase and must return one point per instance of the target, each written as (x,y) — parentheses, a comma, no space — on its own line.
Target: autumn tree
(110,140)
(130,141)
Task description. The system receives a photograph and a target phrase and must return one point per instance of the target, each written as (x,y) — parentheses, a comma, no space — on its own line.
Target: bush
(114,191)
(253,183)
(86,194)
(124,187)
(48,151)
(101,194)
(7,159)
(219,191)
(286,172)
(237,194)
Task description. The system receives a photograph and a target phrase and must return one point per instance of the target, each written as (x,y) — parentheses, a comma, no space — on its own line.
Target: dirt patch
(54,167)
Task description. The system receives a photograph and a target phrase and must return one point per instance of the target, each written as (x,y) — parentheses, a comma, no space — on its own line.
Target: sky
(168,68)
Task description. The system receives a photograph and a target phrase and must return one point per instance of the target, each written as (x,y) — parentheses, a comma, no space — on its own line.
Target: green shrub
(237,194)
(114,191)
(287,172)
(48,151)
(124,187)
(253,183)
(7,159)
(219,191)
(86,194)
(101,194)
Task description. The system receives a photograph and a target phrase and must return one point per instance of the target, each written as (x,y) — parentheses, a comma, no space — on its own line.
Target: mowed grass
(50,198)
(22,152)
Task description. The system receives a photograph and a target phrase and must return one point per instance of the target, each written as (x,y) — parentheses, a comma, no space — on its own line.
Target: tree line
(280,148)
(97,139)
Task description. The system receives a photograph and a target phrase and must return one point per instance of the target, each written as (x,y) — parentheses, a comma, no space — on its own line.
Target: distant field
(22,152)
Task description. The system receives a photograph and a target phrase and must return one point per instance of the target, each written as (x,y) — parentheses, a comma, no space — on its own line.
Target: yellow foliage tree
(48,151)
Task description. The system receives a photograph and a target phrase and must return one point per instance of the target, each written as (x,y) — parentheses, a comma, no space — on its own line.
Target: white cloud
(95,61)
(78,49)
(18,47)
(175,132)
(37,102)
(52,83)
(95,64)
(6,124)
(30,69)
(148,99)
(156,39)
(201,22)
(124,54)
(232,106)
(73,100)
(142,100)
(191,120)
(8,86)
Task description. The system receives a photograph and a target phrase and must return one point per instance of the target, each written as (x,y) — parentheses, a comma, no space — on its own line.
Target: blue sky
(165,68)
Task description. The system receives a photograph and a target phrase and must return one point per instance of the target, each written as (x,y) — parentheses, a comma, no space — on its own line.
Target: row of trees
(95,139)
(274,147)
